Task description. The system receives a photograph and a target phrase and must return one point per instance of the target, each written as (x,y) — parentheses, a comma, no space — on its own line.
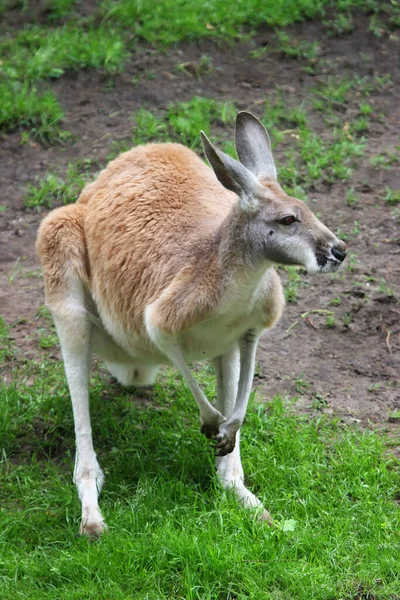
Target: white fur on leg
(89,479)
(73,328)
(231,476)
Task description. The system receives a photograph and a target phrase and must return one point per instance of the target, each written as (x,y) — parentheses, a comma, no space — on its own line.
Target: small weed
(5,342)
(347,319)
(352,197)
(384,288)
(138,77)
(356,229)
(293,283)
(341,25)
(259,52)
(384,81)
(374,387)
(369,278)
(319,402)
(302,384)
(52,188)
(335,301)
(366,109)
(109,84)
(335,91)
(343,235)
(46,339)
(347,235)
(377,27)
(330,321)
(359,125)
(297,49)
(391,196)
(204,66)
(384,160)
(394,416)
(352,261)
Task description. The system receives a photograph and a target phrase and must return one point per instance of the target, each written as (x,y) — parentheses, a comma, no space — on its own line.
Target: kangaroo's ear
(233,175)
(253,146)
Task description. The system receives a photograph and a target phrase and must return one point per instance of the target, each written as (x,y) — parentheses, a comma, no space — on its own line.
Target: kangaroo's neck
(239,256)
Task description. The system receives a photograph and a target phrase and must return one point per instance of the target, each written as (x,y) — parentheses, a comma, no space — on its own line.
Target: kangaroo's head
(278,228)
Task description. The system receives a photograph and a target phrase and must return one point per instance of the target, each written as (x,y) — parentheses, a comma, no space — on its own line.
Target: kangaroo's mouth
(331,266)
(328,264)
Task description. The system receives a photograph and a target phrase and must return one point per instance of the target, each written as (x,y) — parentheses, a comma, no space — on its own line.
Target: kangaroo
(164,260)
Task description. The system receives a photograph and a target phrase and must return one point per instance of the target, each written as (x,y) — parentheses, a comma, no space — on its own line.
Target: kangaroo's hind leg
(62,252)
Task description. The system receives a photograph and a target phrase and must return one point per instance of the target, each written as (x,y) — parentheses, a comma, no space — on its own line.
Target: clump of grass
(384,160)
(182,121)
(24,106)
(352,197)
(340,25)
(186,119)
(54,189)
(321,159)
(291,288)
(5,343)
(198,68)
(297,49)
(39,53)
(330,321)
(391,196)
(59,9)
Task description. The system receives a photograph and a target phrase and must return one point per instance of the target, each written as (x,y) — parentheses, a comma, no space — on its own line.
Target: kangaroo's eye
(289,220)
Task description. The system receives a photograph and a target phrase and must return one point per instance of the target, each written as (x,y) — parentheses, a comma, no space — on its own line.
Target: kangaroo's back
(149,214)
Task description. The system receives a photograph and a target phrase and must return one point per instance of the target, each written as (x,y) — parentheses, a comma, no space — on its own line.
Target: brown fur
(61,246)
(107,239)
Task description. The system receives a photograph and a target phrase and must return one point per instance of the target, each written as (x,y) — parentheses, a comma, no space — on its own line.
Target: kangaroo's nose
(339,251)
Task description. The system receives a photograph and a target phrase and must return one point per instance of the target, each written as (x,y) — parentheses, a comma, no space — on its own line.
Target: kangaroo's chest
(215,336)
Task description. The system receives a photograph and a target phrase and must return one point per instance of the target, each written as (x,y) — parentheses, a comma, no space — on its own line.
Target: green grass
(293,283)
(173,533)
(46,53)
(182,122)
(104,40)
(392,196)
(172,21)
(40,53)
(24,106)
(52,188)
(308,158)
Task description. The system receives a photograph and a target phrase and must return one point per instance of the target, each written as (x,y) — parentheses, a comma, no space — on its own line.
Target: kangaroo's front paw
(210,427)
(210,430)
(226,440)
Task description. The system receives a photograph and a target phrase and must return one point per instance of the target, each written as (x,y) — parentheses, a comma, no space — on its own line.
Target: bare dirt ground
(351,369)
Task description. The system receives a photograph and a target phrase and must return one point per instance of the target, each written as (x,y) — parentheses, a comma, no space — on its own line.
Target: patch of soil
(351,368)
